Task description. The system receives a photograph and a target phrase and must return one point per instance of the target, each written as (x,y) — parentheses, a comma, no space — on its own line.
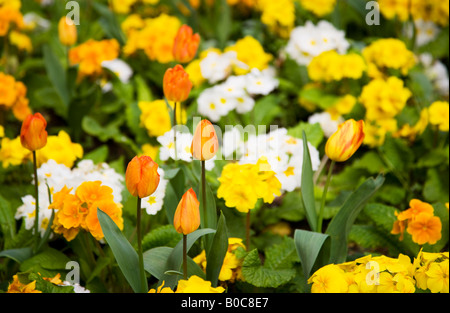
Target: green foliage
(162,236)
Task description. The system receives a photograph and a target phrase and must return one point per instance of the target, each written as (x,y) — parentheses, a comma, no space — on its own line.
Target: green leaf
(265,275)
(318,97)
(162,236)
(19,255)
(155,262)
(126,257)
(7,222)
(109,22)
(222,21)
(216,255)
(211,212)
(313,132)
(266,109)
(56,74)
(49,262)
(98,155)
(307,188)
(313,249)
(436,185)
(340,225)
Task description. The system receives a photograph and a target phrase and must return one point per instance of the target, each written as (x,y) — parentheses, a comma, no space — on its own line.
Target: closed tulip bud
(185,44)
(67,31)
(345,141)
(187,215)
(142,177)
(176,84)
(33,135)
(204,143)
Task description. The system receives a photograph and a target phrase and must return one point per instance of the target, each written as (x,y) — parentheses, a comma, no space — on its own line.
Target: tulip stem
(324,196)
(144,287)
(36,189)
(185,256)
(175,128)
(204,193)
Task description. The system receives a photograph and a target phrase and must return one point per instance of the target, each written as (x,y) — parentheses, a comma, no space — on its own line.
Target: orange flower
(185,45)
(33,135)
(18,287)
(176,84)
(425,228)
(204,143)
(187,215)
(142,176)
(111,208)
(345,141)
(415,208)
(67,31)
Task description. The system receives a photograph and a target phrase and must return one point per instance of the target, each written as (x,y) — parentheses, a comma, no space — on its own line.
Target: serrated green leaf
(162,236)
(382,215)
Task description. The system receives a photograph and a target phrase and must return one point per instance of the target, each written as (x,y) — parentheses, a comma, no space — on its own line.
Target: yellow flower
(156,38)
(436,11)
(250,51)
(438,277)
(376,131)
(149,150)
(12,152)
(21,41)
(241,185)
(384,99)
(9,15)
(161,289)
(439,115)
(195,73)
(279,16)
(395,8)
(17,287)
(319,7)
(196,284)
(390,53)
(331,66)
(122,6)
(61,149)
(328,279)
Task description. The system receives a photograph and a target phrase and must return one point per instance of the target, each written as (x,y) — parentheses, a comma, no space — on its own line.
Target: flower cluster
(10,16)
(154,36)
(420,222)
(74,212)
(309,41)
(231,267)
(389,53)
(426,10)
(13,96)
(194,284)
(381,274)
(241,185)
(90,55)
(331,66)
(54,177)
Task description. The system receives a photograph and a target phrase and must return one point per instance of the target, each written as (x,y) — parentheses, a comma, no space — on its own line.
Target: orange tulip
(142,176)
(204,143)
(187,215)
(33,135)
(185,45)
(67,31)
(176,84)
(345,141)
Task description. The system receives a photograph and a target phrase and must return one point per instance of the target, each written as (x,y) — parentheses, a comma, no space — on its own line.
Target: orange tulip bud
(187,215)
(67,31)
(204,143)
(345,141)
(33,135)
(176,84)
(185,45)
(142,176)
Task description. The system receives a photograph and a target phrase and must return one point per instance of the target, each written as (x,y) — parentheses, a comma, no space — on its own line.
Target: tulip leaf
(313,249)
(174,192)
(340,225)
(211,214)
(307,188)
(19,255)
(126,257)
(215,257)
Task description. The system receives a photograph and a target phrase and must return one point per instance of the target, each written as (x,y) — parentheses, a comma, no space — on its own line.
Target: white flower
(216,67)
(153,203)
(183,146)
(32,20)
(261,82)
(120,68)
(327,123)
(437,72)
(232,141)
(54,175)
(77,288)
(28,210)
(308,41)
(210,104)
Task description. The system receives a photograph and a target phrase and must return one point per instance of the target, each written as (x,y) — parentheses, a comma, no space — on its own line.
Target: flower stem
(247,231)
(144,286)
(204,192)
(175,128)
(185,256)
(324,196)
(36,190)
